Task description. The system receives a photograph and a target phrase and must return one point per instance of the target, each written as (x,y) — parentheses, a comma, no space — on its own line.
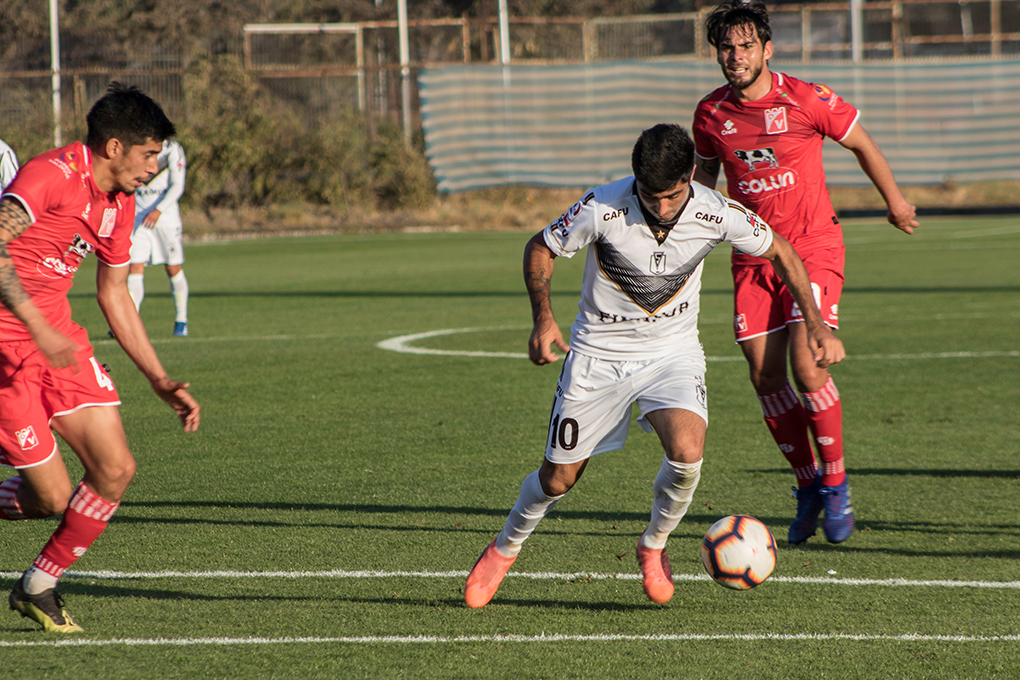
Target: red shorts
(762,304)
(32,392)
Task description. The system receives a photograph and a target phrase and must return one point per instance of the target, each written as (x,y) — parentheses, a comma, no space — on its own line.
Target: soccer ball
(739,552)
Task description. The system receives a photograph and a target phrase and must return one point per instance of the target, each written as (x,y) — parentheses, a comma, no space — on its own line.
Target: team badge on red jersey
(775,121)
(27,439)
(109,219)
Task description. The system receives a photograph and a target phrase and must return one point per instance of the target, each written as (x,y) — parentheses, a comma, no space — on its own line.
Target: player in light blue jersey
(158,233)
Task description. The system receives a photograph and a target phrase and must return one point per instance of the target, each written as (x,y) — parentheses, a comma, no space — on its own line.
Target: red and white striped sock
(825,416)
(85,518)
(10,508)
(788,423)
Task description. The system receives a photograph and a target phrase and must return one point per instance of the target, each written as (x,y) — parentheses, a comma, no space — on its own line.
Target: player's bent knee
(111,479)
(557,480)
(49,501)
(686,450)
(124,472)
(768,382)
(810,378)
(50,505)
(557,486)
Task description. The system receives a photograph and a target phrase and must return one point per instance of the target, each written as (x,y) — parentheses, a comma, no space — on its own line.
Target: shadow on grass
(77,587)
(818,545)
(424,510)
(903,472)
(427,521)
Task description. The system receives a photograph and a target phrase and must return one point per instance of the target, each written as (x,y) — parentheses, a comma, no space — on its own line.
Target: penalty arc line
(437,639)
(402,344)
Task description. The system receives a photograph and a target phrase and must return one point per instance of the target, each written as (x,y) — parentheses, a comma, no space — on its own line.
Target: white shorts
(592,410)
(159,245)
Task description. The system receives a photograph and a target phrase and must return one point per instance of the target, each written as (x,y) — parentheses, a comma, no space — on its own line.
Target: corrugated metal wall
(575,125)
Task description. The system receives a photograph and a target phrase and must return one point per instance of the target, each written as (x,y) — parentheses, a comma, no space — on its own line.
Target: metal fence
(321,69)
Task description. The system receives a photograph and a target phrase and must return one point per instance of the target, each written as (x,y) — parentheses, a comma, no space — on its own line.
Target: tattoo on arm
(13,223)
(538,284)
(13,220)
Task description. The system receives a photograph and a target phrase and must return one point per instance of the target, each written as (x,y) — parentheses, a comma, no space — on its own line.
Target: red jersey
(771,150)
(71,217)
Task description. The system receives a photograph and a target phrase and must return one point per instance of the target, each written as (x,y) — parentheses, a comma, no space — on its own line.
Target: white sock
(179,291)
(136,286)
(674,488)
(531,506)
(36,580)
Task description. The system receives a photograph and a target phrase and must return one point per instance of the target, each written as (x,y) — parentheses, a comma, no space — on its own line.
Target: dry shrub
(401,177)
(339,173)
(239,141)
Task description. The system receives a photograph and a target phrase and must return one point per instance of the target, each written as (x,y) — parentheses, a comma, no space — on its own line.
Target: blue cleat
(181,329)
(809,506)
(839,512)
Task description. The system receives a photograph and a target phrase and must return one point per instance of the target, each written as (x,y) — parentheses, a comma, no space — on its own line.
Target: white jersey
(164,189)
(8,165)
(640,295)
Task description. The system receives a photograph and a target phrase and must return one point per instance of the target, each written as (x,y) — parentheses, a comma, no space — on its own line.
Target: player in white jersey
(158,234)
(635,339)
(8,165)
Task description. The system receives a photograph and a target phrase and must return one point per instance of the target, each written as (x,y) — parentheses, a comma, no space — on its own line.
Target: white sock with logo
(36,581)
(136,286)
(531,506)
(674,488)
(179,291)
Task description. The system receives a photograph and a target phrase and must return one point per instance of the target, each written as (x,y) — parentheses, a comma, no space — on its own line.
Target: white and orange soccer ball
(739,552)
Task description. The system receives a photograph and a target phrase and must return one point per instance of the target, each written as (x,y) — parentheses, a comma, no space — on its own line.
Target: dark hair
(128,114)
(735,14)
(663,156)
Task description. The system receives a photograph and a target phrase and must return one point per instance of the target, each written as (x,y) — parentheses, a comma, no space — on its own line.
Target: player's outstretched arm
(538,269)
(122,316)
(58,349)
(901,214)
(826,348)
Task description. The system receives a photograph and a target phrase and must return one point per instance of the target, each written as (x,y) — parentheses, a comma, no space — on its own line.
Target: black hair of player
(738,14)
(663,156)
(129,115)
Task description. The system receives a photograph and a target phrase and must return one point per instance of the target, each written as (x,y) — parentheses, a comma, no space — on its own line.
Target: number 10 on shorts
(563,433)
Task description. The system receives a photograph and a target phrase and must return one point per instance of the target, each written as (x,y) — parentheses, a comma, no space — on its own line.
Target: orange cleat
(658,577)
(485,577)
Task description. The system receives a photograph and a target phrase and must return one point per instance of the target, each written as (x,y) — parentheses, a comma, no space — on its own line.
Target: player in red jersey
(766,130)
(63,205)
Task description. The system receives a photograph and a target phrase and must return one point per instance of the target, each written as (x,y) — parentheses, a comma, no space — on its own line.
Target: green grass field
(322,521)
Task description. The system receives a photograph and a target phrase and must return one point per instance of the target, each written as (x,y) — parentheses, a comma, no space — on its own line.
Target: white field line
(487,639)
(537,576)
(403,345)
(250,338)
(980,233)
